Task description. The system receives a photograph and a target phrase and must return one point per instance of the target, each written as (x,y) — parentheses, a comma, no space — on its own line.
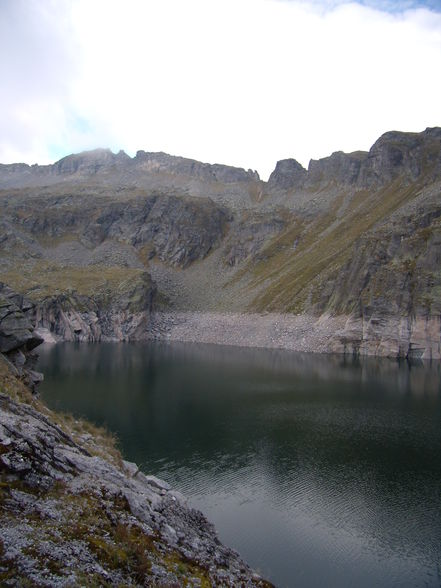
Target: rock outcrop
(102,163)
(177,230)
(120,315)
(181,166)
(405,155)
(394,154)
(88,163)
(340,168)
(288,174)
(18,338)
(413,338)
(69,515)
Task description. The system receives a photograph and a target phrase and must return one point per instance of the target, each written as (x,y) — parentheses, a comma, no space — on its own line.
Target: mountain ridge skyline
(106,155)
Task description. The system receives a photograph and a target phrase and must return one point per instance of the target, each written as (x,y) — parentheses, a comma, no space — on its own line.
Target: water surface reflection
(319,470)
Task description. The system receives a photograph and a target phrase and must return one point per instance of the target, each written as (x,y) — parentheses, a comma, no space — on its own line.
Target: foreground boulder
(17,335)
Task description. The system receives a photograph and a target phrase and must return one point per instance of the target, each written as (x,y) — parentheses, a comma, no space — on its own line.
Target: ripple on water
(319,471)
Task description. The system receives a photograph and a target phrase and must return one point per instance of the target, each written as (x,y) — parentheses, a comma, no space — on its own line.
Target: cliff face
(123,315)
(395,155)
(17,335)
(72,511)
(355,235)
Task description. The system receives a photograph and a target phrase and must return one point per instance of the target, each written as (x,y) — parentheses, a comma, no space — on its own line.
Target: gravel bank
(293,332)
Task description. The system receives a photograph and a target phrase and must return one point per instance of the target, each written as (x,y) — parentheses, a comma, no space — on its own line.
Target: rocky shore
(73,512)
(414,338)
(394,337)
(270,330)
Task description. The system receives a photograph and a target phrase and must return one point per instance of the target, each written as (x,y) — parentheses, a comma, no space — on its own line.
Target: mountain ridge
(394,149)
(356,236)
(100,160)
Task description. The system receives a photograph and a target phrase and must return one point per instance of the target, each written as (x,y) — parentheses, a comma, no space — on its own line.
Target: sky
(240,82)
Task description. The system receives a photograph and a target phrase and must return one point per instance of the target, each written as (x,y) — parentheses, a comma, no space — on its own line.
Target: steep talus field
(102,243)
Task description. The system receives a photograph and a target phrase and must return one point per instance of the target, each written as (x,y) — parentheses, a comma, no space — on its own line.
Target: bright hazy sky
(241,82)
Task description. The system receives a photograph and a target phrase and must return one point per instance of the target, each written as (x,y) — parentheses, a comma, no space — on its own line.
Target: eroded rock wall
(119,316)
(18,337)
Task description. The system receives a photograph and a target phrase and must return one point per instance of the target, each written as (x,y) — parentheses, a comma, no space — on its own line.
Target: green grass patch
(40,280)
(325,243)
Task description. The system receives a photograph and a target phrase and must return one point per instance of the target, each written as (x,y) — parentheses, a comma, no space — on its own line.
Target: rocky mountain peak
(162,162)
(343,168)
(289,173)
(394,154)
(397,153)
(146,169)
(89,161)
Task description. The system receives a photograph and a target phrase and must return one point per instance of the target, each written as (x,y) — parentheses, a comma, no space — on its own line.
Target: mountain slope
(355,236)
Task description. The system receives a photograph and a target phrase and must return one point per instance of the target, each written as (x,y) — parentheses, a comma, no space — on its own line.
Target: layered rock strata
(75,317)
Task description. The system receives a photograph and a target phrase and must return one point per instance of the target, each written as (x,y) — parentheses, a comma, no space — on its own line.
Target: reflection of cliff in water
(213,398)
(415,377)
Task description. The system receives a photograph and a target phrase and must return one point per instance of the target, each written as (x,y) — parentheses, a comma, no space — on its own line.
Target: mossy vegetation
(145,254)
(104,528)
(83,521)
(96,440)
(185,569)
(12,386)
(41,279)
(286,277)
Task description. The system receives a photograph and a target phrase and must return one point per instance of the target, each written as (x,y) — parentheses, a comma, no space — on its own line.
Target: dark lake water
(319,471)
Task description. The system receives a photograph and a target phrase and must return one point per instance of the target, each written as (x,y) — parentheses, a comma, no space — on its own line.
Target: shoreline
(412,338)
(302,333)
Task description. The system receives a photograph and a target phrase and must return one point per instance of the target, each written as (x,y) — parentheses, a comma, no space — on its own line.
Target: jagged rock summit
(102,163)
(289,173)
(393,155)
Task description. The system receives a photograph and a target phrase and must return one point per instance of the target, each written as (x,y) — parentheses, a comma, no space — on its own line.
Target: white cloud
(244,82)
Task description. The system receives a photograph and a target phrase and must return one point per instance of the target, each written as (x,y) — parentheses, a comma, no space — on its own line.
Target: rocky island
(340,257)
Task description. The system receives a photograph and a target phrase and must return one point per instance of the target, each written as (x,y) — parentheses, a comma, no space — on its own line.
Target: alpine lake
(319,470)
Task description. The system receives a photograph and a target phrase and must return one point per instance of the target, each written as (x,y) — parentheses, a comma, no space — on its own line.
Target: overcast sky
(241,82)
